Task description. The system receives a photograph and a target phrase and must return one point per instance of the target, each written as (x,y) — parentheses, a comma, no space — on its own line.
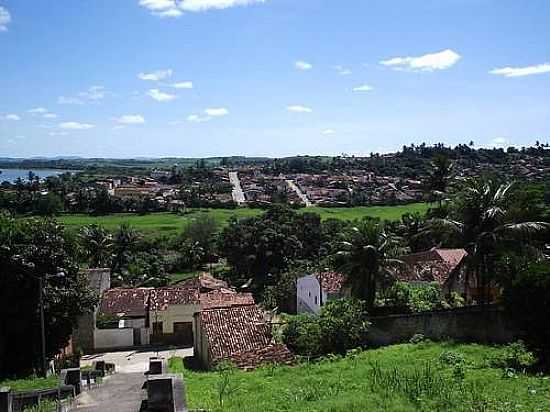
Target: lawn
(170,223)
(31,383)
(397,378)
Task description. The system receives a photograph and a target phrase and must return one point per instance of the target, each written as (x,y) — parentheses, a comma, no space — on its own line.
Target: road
(238,195)
(121,392)
(300,194)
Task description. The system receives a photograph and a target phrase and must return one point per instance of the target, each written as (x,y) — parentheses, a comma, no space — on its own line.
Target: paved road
(238,195)
(300,194)
(122,391)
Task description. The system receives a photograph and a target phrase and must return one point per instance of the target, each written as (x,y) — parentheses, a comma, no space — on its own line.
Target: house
(140,316)
(313,291)
(442,266)
(238,334)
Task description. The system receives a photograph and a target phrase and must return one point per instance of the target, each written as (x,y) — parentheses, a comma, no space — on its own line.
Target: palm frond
(524,229)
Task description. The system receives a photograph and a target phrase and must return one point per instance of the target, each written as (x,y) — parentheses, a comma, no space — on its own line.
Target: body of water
(11,175)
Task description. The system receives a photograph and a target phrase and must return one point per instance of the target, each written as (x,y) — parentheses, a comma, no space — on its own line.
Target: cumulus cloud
(342,71)
(75,126)
(299,109)
(217,112)
(208,114)
(182,85)
(302,65)
(49,116)
(38,110)
(175,8)
(69,100)
(362,88)
(12,117)
(160,96)
(58,133)
(427,62)
(157,75)
(328,132)
(522,71)
(130,119)
(5,19)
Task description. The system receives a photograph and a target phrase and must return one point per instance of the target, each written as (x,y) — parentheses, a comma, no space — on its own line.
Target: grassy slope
(170,223)
(345,384)
(32,383)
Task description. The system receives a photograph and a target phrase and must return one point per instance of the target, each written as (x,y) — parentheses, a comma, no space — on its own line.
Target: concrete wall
(476,324)
(172,314)
(200,343)
(113,338)
(307,295)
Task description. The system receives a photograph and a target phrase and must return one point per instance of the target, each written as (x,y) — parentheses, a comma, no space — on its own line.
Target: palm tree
(124,243)
(367,257)
(487,228)
(440,176)
(97,245)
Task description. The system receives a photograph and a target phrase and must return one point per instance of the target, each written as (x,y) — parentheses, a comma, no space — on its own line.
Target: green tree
(366,256)
(31,250)
(125,243)
(97,245)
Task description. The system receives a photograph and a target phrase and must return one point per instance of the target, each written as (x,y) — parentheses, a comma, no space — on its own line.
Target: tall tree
(97,245)
(366,257)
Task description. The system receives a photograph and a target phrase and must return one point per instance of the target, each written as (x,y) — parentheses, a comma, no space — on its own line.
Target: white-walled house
(313,291)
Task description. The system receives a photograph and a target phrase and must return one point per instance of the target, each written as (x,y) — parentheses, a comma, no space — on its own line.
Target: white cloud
(299,109)
(69,100)
(302,65)
(75,126)
(49,116)
(204,5)
(58,133)
(12,117)
(157,5)
(342,71)
(195,118)
(182,85)
(38,110)
(160,96)
(5,19)
(328,132)
(362,88)
(522,71)
(217,112)
(499,142)
(94,93)
(428,62)
(130,119)
(156,75)
(169,13)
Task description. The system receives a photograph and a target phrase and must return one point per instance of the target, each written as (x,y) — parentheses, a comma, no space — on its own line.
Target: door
(183,333)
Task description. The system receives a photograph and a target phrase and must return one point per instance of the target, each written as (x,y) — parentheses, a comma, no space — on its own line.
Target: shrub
(452,358)
(515,356)
(340,326)
(418,338)
(527,300)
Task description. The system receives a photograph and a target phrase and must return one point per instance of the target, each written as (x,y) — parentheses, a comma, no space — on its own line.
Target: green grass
(31,383)
(170,223)
(178,277)
(396,378)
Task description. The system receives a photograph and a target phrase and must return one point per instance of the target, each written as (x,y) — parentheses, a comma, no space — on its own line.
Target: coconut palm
(97,244)
(487,228)
(366,257)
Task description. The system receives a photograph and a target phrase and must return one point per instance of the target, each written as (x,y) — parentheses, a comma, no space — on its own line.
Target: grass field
(396,378)
(31,383)
(170,223)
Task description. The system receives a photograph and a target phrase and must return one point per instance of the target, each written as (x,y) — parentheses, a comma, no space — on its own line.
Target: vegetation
(396,378)
(31,383)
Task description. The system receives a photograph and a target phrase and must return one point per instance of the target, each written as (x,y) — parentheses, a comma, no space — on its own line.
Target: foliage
(365,256)
(30,250)
(347,384)
(97,245)
(199,234)
(527,300)
(225,385)
(340,326)
(406,297)
(515,356)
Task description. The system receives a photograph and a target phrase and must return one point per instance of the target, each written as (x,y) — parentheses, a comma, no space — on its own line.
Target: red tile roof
(224,298)
(125,302)
(435,265)
(204,281)
(240,334)
(161,298)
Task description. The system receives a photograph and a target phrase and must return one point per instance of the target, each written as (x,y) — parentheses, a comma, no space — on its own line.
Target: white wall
(307,295)
(113,338)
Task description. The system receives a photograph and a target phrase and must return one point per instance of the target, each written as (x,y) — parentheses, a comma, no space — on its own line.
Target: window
(157,328)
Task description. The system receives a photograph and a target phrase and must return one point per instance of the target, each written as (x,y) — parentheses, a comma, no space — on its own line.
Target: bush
(516,356)
(340,326)
(452,358)
(527,300)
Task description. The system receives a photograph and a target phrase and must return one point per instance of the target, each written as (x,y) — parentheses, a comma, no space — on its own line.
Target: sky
(199,78)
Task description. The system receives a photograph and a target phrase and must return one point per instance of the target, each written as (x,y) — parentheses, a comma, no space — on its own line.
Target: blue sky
(201,78)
